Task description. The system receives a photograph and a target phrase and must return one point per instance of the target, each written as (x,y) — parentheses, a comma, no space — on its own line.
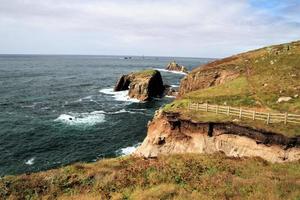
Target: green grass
(188,176)
(147,72)
(264,76)
(234,93)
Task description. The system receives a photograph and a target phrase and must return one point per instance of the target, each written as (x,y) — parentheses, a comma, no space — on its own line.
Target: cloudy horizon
(195,28)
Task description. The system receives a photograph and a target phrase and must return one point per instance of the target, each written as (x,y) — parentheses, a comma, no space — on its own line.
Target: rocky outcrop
(168,134)
(206,77)
(170,91)
(142,85)
(173,66)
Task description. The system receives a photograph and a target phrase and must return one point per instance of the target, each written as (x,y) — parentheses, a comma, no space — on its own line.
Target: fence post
(254,114)
(268,118)
(217,109)
(206,108)
(189,106)
(240,113)
(228,110)
(198,106)
(285,118)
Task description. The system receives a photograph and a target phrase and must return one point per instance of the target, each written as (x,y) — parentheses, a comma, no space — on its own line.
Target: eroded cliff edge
(168,133)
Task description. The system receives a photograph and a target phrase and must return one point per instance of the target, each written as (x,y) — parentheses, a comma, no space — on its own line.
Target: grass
(147,72)
(188,176)
(265,75)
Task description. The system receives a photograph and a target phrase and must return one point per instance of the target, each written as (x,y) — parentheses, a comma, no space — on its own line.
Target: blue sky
(196,28)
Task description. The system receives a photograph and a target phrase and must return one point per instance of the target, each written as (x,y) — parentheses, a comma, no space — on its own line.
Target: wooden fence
(248,114)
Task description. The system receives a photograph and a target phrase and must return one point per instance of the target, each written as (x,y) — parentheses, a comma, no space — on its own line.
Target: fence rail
(269,118)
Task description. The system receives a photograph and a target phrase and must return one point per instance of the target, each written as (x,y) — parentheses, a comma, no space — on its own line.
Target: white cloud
(171,27)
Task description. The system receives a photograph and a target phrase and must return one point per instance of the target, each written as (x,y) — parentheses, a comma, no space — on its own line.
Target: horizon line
(42,54)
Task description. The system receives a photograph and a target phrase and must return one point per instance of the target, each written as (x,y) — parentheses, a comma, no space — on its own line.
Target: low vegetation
(265,75)
(187,176)
(147,72)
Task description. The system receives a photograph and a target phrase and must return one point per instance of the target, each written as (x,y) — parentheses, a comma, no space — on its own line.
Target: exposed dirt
(168,134)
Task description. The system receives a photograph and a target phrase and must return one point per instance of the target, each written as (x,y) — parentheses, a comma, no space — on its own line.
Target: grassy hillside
(187,176)
(261,78)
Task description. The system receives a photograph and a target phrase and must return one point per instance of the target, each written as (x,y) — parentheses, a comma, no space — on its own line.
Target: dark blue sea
(40,94)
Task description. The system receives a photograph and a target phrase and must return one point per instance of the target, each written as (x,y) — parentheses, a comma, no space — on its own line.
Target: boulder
(142,85)
(284,99)
(173,66)
(170,91)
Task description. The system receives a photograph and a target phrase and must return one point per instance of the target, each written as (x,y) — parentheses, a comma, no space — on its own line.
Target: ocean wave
(169,71)
(122,111)
(125,111)
(127,150)
(171,97)
(120,95)
(89,119)
(89,98)
(175,86)
(30,161)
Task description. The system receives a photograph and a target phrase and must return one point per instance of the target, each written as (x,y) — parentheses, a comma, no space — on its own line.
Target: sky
(193,28)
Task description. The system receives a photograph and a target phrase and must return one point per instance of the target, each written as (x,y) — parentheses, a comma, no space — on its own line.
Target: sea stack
(173,66)
(143,85)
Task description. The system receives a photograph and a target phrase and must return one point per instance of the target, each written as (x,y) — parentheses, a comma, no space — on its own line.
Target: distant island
(173,66)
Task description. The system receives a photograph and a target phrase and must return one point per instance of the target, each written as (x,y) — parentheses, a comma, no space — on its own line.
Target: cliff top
(187,176)
(255,80)
(145,73)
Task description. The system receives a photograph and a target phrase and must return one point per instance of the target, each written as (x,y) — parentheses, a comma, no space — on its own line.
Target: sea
(61,109)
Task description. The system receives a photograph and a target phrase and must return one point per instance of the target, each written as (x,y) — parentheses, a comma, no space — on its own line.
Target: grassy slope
(266,74)
(187,176)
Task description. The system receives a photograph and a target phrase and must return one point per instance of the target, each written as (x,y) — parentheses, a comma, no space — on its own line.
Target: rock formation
(170,91)
(173,66)
(142,85)
(168,134)
(205,77)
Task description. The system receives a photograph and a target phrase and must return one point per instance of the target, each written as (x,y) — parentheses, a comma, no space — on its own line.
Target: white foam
(175,86)
(88,119)
(168,96)
(85,98)
(174,72)
(127,150)
(30,161)
(120,95)
(124,111)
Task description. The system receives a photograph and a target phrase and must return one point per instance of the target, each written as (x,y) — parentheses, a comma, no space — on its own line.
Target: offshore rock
(173,66)
(142,85)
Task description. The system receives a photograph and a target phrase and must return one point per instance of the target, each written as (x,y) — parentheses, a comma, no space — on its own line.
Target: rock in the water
(173,66)
(284,99)
(142,85)
(123,83)
(170,91)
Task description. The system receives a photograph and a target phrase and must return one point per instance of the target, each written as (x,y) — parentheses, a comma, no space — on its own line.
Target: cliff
(169,133)
(265,80)
(142,85)
(268,74)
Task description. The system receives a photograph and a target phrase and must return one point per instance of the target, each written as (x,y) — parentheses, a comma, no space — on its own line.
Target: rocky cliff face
(168,134)
(142,85)
(173,66)
(211,74)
